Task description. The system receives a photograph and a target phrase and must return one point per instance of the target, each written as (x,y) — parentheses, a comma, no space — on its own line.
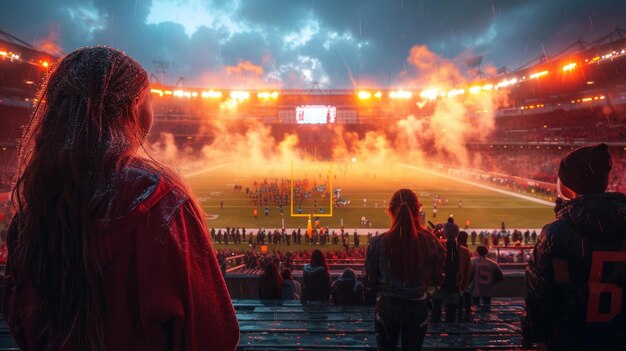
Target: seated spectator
(290,288)
(347,290)
(485,273)
(316,279)
(270,283)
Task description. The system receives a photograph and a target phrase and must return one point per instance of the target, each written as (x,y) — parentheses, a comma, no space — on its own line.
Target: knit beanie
(586,169)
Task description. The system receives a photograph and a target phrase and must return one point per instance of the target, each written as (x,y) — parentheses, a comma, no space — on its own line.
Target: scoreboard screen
(315,114)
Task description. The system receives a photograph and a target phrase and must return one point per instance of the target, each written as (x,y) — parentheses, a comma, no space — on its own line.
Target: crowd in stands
(529,169)
(253,259)
(584,126)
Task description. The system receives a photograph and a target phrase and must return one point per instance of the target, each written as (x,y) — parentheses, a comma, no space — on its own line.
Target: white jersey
(485,273)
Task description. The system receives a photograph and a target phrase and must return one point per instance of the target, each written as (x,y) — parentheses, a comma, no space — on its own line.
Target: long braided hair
(84,128)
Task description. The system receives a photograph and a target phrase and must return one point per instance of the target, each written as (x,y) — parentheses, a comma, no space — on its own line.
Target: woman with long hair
(270,283)
(316,279)
(400,265)
(108,250)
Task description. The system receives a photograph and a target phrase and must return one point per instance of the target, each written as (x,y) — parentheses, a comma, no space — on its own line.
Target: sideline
(482,186)
(205,170)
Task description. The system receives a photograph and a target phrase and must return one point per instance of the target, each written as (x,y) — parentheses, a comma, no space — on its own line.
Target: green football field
(485,208)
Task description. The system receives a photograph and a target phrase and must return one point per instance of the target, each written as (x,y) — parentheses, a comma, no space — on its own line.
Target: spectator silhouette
(485,273)
(347,290)
(316,279)
(457,270)
(400,265)
(108,250)
(291,289)
(270,283)
(576,274)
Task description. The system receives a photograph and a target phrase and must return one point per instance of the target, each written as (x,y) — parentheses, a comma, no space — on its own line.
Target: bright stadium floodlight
(157,91)
(211,94)
(430,94)
(401,94)
(455,92)
(239,95)
(539,74)
(569,67)
(179,93)
(263,95)
(474,89)
(378,95)
(363,95)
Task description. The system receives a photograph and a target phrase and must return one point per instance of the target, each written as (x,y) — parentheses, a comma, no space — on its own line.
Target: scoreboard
(315,114)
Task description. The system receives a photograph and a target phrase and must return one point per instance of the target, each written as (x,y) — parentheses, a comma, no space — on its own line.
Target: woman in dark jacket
(270,283)
(316,279)
(400,265)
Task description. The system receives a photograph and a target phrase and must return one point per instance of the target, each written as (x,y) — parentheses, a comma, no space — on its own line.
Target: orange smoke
(50,44)
(245,67)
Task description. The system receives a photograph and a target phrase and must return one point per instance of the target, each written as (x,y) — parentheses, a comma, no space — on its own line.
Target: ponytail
(404,248)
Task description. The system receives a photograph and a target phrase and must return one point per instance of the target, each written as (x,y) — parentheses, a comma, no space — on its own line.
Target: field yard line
(482,186)
(205,170)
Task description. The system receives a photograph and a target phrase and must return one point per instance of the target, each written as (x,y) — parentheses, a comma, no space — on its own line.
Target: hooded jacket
(164,289)
(316,283)
(347,290)
(577,274)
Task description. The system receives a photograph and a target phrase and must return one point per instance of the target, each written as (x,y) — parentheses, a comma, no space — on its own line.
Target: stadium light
(430,94)
(401,94)
(487,86)
(267,95)
(363,95)
(157,91)
(239,95)
(506,82)
(378,94)
(179,93)
(454,92)
(474,90)
(212,94)
(569,67)
(45,64)
(4,53)
(539,74)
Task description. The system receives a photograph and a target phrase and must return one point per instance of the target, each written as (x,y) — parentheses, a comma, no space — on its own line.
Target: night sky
(293,43)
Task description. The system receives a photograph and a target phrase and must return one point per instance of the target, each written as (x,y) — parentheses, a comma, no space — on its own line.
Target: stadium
(322,163)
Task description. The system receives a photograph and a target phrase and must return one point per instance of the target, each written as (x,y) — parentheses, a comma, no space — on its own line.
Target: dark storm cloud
(340,43)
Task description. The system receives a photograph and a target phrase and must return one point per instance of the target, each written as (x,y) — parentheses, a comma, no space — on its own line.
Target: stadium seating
(289,325)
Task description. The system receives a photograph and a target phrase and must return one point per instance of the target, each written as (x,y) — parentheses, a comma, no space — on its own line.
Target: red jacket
(163,285)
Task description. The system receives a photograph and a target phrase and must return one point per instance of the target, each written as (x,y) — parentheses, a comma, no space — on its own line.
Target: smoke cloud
(450,120)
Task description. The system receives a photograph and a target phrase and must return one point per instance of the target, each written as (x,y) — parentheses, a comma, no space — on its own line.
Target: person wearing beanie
(575,278)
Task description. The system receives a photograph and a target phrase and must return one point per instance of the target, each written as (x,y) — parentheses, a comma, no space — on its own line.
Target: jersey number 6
(597,288)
